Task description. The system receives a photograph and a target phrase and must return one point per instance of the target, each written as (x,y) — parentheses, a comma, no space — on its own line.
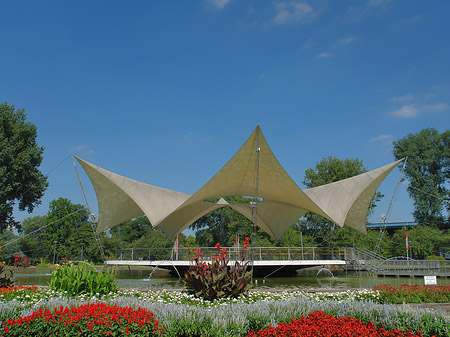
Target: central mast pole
(254,203)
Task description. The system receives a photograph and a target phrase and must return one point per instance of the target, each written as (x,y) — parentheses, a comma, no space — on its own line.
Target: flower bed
(320,324)
(17,292)
(413,294)
(182,314)
(91,319)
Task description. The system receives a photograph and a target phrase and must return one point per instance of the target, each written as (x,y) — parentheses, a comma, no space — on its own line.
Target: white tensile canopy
(344,202)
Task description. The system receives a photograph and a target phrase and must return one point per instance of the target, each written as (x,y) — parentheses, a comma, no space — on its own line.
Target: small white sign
(429,280)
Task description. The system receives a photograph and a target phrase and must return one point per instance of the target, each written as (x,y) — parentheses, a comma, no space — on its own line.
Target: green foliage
(224,224)
(83,280)
(428,171)
(31,239)
(20,157)
(5,280)
(332,169)
(327,171)
(424,241)
(65,227)
(435,257)
(153,238)
(9,244)
(132,230)
(138,233)
(294,237)
(218,280)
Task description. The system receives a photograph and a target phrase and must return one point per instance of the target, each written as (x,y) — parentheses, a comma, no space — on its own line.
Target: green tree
(110,246)
(31,237)
(327,171)
(9,244)
(64,221)
(20,157)
(423,241)
(223,224)
(131,230)
(294,237)
(428,172)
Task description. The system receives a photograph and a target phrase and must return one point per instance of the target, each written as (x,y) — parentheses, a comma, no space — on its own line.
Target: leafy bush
(81,280)
(413,294)
(91,319)
(5,280)
(21,262)
(435,257)
(217,280)
(319,324)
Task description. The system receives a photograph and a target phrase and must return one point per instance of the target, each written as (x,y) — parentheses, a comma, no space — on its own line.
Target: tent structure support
(254,203)
(91,216)
(389,210)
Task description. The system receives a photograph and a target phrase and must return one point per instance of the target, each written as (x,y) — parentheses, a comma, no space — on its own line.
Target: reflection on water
(140,278)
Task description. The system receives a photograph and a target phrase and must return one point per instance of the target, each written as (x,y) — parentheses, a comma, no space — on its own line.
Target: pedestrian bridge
(266,261)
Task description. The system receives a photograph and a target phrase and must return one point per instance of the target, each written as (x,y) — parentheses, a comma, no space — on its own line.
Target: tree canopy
(32,237)
(428,172)
(224,224)
(20,179)
(327,171)
(66,227)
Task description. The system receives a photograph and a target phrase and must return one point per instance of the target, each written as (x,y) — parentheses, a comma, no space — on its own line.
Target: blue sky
(167,91)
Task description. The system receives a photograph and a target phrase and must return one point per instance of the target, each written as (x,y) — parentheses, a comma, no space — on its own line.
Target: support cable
(91,215)
(389,211)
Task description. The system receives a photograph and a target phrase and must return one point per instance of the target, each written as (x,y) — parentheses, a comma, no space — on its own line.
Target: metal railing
(357,259)
(403,267)
(233,253)
(360,259)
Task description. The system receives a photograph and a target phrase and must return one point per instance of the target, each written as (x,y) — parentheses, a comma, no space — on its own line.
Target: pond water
(141,278)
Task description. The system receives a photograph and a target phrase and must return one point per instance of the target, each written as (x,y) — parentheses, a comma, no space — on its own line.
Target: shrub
(21,262)
(5,280)
(218,280)
(44,265)
(83,280)
(319,324)
(91,319)
(435,257)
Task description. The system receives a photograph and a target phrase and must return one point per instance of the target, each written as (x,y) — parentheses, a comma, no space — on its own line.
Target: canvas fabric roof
(344,202)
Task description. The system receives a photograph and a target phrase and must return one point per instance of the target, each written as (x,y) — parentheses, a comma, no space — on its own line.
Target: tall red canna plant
(217,279)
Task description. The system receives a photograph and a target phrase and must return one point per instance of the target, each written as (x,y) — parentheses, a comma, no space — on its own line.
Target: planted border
(413,294)
(91,319)
(182,314)
(320,324)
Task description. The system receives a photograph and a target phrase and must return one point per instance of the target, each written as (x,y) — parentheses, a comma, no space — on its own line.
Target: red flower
(319,324)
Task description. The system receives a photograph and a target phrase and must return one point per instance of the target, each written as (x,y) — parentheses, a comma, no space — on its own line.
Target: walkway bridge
(359,259)
(276,261)
(267,261)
